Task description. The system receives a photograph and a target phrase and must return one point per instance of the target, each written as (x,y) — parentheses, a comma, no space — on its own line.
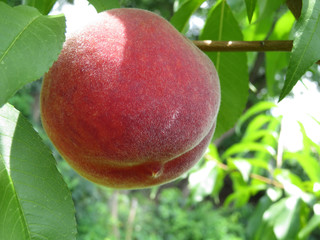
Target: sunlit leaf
(284,217)
(306,44)
(256,162)
(293,185)
(257,123)
(308,144)
(180,18)
(102,5)
(231,66)
(260,134)
(310,165)
(244,168)
(35,202)
(251,5)
(242,148)
(29,44)
(242,195)
(257,108)
(272,139)
(203,180)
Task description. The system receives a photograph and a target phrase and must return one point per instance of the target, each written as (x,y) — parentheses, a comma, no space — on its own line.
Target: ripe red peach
(130,102)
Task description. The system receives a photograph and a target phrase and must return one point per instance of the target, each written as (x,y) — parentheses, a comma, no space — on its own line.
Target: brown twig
(251,175)
(245,46)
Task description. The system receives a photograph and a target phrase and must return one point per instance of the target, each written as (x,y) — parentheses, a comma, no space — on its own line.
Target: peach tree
(35,202)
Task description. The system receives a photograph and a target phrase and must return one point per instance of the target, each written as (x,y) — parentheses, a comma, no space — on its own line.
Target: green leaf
(209,178)
(307,161)
(257,123)
(244,168)
(257,229)
(292,184)
(306,44)
(273,127)
(308,144)
(312,224)
(180,18)
(29,44)
(202,182)
(241,194)
(276,61)
(102,5)
(310,165)
(284,217)
(265,17)
(260,134)
(243,148)
(250,5)
(231,66)
(256,162)
(257,108)
(44,6)
(35,202)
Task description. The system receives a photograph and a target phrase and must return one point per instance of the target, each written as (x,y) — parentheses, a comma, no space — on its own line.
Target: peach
(130,102)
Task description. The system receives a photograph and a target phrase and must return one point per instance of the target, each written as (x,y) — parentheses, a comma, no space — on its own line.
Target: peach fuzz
(130,102)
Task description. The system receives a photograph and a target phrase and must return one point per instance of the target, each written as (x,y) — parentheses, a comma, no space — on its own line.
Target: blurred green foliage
(240,190)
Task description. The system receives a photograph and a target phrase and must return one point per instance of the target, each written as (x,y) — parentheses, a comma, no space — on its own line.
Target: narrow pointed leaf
(257,108)
(259,29)
(231,66)
(180,19)
(35,202)
(242,148)
(306,44)
(29,44)
(251,5)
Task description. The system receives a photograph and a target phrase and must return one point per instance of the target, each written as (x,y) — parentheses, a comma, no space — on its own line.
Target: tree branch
(251,175)
(245,46)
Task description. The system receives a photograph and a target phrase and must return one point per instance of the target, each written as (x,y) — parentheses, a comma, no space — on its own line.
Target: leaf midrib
(287,86)
(223,3)
(17,38)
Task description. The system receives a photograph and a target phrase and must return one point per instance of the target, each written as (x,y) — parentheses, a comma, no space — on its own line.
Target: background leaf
(35,203)
(102,5)
(312,224)
(231,66)
(29,45)
(44,6)
(305,45)
(180,19)
(295,7)
(284,216)
(254,110)
(276,61)
(266,12)
(251,5)
(257,229)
